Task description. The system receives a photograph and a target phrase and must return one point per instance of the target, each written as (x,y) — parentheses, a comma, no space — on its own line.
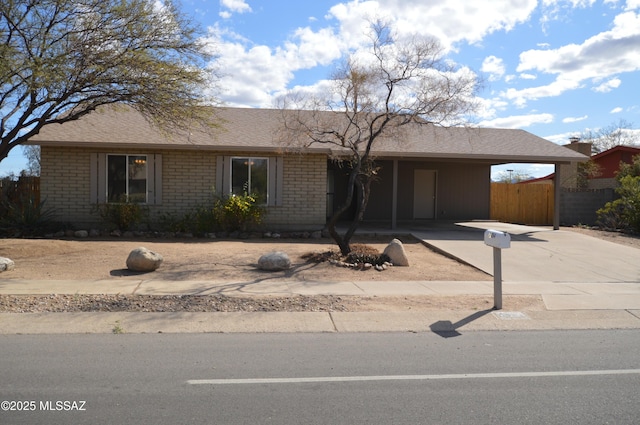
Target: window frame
(127,192)
(249,160)
(275,176)
(98,191)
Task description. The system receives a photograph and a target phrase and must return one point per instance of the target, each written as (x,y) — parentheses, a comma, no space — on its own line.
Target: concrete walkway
(585,283)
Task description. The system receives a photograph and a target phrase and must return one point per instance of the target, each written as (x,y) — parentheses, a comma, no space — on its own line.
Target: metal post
(497,278)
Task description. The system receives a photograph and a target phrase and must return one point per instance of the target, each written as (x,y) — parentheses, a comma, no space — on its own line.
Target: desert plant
(26,216)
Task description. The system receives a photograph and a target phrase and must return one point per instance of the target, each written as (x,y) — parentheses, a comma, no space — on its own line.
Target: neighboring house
(428,173)
(607,164)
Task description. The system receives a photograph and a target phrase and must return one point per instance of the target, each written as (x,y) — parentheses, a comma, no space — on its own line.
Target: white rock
(274,261)
(6,264)
(395,251)
(143,260)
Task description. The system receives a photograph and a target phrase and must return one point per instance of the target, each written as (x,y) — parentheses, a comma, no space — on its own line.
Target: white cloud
(526,76)
(632,5)
(607,86)
(569,120)
(451,21)
(255,75)
(518,121)
(616,110)
(494,67)
(598,58)
(556,88)
(239,6)
(233,6)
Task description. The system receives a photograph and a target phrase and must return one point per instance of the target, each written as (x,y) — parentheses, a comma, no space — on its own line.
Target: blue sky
(553,68)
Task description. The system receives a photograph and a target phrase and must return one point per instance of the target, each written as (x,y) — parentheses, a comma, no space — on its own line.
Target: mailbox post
(499,241)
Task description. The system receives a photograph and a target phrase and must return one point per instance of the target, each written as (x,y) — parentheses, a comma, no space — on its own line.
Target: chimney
(578,146)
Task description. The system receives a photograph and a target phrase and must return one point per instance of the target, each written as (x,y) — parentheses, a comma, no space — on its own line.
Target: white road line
(411,377)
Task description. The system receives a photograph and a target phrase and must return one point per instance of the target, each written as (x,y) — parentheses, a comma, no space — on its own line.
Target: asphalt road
(551,377)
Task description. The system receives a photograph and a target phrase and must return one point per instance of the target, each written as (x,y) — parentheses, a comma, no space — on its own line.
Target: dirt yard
(197,259)
(200,259)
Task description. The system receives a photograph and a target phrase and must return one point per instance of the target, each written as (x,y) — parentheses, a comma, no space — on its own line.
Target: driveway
(538,253)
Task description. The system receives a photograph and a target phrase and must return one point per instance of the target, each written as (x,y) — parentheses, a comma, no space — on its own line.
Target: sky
(555,68)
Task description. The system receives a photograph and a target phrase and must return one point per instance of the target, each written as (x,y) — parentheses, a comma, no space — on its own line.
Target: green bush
(26,217)
(228,214)
(240,212)
(123,216)
(624,212)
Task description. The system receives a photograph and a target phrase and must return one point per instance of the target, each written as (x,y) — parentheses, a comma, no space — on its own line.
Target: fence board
(14,190)
(522,203)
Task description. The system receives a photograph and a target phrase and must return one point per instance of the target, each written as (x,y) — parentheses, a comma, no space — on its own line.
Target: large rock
(6,264)
(143,260)
(395,251)
(274,261)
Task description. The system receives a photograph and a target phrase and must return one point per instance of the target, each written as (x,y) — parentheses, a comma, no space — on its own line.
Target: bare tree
(513,176)
(375,95)
(615,134)
(32,153)
(61,59)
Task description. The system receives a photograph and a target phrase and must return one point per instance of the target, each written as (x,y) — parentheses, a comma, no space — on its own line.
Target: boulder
(6,264)
(395,251)
(274,261)
(143,260)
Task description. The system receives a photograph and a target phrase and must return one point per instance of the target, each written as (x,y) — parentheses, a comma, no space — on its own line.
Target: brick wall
(304,194)
(188,180)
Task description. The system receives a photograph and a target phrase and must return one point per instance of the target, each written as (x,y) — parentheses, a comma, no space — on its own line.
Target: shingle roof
(258,129)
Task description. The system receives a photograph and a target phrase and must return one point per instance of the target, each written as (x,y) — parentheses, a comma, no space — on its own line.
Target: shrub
(224,214)
(624,212)
(240,212)
(123,215)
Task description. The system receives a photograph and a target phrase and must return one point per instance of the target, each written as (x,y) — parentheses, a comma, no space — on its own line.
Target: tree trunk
(331,225)
(360,185)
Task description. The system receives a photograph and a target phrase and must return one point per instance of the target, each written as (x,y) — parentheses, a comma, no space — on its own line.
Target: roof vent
(574,139)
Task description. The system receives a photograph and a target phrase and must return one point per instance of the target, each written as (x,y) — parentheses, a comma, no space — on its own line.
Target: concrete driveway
(538,253)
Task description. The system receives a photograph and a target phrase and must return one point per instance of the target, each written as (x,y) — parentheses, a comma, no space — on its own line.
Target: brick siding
(188,180)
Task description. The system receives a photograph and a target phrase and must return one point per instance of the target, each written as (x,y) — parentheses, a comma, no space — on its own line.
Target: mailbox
(497,239)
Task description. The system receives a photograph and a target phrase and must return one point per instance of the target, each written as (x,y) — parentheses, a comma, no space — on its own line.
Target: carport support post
(556,197)
(497,278)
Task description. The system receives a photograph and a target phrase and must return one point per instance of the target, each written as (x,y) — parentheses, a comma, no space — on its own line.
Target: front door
(424,194)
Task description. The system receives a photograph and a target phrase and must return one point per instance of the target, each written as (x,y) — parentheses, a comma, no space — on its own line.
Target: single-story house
(428,173)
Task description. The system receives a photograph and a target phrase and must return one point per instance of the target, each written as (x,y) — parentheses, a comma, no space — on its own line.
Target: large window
(250,176)
(127,178)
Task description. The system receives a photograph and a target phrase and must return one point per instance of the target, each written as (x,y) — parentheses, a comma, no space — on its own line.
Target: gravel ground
(221,303)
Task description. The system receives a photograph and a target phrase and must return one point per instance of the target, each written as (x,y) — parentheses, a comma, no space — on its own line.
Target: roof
(620,148)
(257,130)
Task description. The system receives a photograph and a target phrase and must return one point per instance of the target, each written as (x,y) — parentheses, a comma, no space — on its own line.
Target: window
(118,177)
(127,178)
(260,176)
(250,176)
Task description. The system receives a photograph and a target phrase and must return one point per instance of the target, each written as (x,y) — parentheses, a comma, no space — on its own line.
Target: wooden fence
(15,190)
(522,203)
